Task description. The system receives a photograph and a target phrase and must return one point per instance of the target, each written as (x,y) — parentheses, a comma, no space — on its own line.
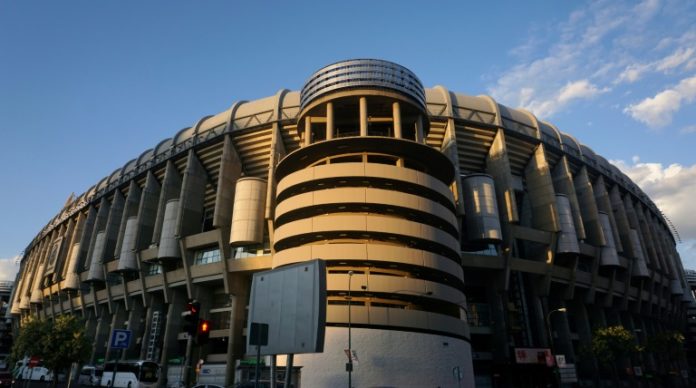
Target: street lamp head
(562,309)
(350,273)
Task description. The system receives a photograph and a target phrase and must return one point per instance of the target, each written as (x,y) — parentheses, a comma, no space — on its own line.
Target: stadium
(465,242)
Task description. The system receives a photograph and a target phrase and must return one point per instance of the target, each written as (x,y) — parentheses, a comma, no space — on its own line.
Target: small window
(207,256)
(153,269)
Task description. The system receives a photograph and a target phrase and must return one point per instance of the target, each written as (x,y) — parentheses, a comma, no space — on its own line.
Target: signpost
(120,339)
(258,336)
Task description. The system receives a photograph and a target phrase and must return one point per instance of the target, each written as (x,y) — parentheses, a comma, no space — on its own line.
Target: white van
(39,372)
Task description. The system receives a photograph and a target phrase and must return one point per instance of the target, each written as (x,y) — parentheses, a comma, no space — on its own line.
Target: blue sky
(85,86)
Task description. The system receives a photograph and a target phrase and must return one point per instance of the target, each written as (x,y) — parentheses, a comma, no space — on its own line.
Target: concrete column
(101,334)
(307,131)
(420,136)
(113,226)
(497,307)
(171,331)
(539,322)
(498,166)
(90,328)
(588,207)
(363,116)
(136,323)
(604,205)
(192,196)
(130,210)
(236,347)
(118,320)
(230,171)
(147,212)
(329,121)
(541,192)
(584,330)
(563,183)
(396,112)
(170,189)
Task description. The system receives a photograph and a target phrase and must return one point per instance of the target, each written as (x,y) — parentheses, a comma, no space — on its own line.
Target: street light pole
(350,344)
(548,327)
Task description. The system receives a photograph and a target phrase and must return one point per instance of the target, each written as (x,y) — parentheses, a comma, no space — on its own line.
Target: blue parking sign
(120,339)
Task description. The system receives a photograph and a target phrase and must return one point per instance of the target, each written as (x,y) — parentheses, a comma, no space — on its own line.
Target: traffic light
(190,315)
(203,331)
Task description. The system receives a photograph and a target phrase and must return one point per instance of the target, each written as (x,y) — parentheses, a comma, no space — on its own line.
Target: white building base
(388,358)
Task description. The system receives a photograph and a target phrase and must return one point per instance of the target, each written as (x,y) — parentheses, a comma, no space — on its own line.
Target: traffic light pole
(186,366)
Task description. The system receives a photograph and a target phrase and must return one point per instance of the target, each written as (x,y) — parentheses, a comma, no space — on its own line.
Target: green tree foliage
(65,343)
(609,344)
(30,340)
(668,346)
(58,343)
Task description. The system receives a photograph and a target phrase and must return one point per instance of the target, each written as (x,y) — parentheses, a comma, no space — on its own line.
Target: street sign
(120,339)
(568,373)
(560,360)
(258,334)
(33,361)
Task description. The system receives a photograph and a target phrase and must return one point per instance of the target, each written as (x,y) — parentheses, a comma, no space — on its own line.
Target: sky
(86,86)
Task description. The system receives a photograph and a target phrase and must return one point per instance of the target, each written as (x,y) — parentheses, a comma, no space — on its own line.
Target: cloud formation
(673,189)
(576,66)
(657,111)
(8,268)
(600,47)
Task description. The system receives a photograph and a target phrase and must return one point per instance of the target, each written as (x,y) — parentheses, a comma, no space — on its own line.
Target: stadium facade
(468,234)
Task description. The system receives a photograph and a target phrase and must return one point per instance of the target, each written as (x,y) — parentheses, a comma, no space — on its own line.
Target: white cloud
(8,268)
(578,90)
(688,129)
(577,66)
(657,111)
(601,44)
(673,189)
(632,73)
(681,56)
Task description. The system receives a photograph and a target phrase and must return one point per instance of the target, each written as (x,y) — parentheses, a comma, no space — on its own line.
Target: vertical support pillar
(171,332)
(586,366)
(329,121)
(308,131)
(236,347)
(420,136)
(101,333)
(363,116)
(136,323)
(396,113)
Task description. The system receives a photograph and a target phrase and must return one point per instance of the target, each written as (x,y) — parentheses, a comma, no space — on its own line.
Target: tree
(30,340)
(58,343)
(667,346)
(611,344)
(65,343)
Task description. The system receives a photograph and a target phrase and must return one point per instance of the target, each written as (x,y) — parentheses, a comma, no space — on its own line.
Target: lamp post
(548,327)
(349,366)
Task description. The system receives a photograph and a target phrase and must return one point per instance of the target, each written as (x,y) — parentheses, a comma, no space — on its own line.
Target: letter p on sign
(120,339)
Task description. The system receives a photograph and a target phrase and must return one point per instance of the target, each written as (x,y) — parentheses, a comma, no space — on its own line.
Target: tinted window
(149,372)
